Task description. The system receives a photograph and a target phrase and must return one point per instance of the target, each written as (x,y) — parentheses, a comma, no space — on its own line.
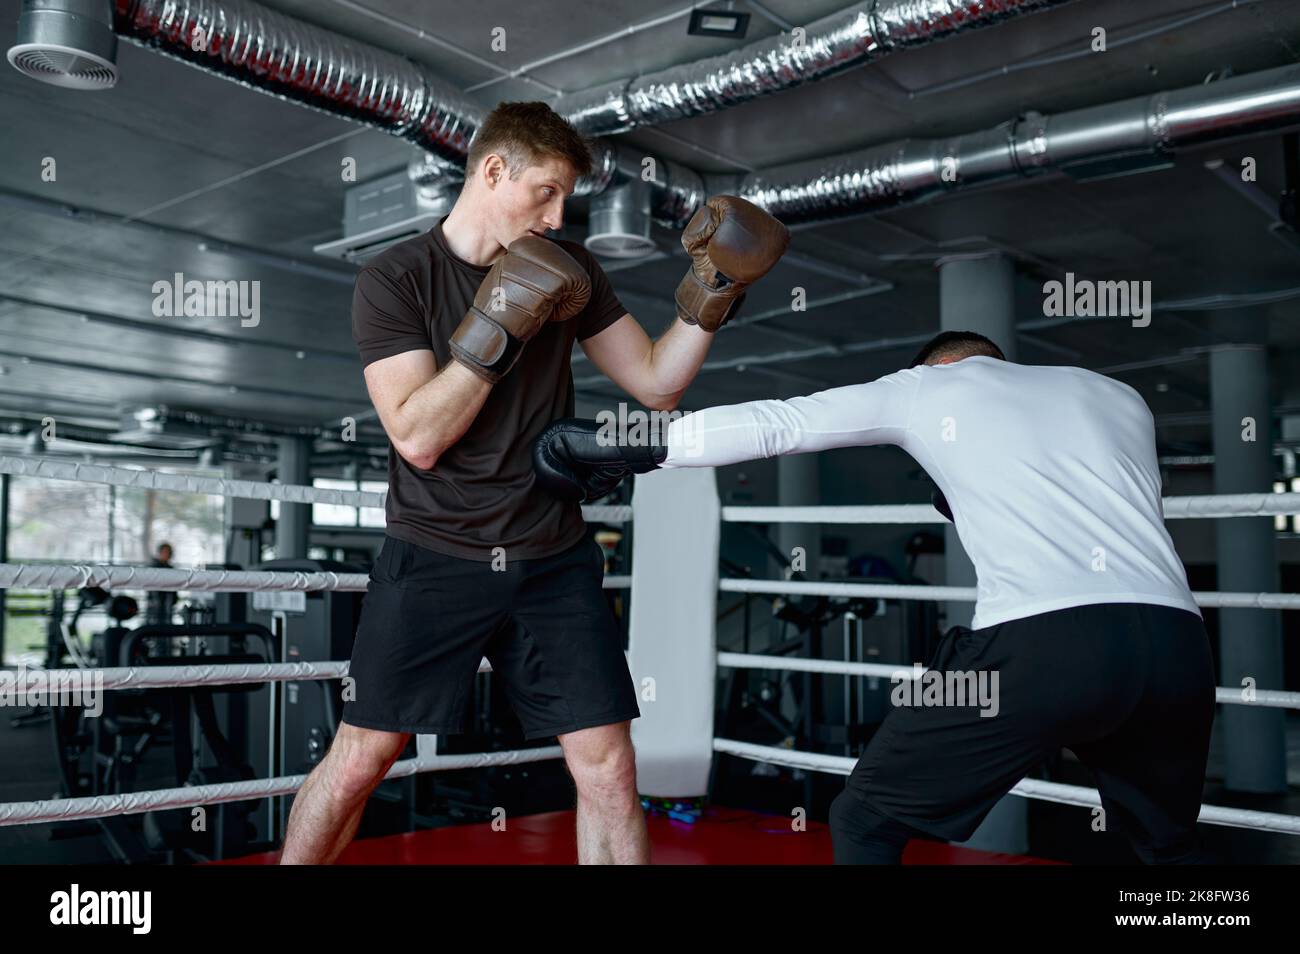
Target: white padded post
(672,649)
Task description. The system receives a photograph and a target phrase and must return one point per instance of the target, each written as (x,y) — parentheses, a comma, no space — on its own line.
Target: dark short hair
(525,134)
(957,344)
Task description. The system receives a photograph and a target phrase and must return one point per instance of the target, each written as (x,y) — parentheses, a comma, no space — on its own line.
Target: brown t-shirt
(480,493)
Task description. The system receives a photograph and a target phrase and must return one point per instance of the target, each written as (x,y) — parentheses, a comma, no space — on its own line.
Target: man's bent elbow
(662,402)
(421,458)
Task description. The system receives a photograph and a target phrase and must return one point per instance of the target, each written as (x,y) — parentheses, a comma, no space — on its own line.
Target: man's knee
(602,762)
(360,758)
(609,778)
(860,835)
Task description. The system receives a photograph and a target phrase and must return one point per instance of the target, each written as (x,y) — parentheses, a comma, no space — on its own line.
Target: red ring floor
(721,836)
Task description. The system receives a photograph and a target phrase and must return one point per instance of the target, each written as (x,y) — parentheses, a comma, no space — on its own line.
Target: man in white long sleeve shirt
(1083,616)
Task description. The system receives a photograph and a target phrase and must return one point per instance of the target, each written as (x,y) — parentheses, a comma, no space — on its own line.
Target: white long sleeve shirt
(1050,472)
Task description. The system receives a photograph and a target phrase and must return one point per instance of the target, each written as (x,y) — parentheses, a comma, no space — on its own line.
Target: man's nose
(554,217)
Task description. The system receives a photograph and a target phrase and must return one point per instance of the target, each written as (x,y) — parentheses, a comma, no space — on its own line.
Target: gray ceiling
(173,160)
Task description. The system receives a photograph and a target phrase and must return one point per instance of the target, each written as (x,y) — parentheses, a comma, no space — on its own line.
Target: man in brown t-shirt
(465,335)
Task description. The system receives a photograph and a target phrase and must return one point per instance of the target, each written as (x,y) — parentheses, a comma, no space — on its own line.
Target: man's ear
(494,169)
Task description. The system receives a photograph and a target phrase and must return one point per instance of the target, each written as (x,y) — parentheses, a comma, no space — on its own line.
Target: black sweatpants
(1128,687)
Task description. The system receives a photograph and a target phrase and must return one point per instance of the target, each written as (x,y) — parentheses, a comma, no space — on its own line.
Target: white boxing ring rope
(890,591)
(1270,698)
(78,575)
(1175,508)
(40,576)
(106,806)
(183,677)
(37,576)
(54,681)
(1026,788)
(52,469)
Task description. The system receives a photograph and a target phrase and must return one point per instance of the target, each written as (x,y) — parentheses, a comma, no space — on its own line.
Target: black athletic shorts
(544,624)
(1129,688)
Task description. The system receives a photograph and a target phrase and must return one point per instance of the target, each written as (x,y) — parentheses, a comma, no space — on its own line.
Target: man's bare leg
(611,823)
(328,808)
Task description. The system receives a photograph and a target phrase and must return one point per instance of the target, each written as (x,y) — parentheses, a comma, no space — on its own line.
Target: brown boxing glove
(732,244)
(536,281)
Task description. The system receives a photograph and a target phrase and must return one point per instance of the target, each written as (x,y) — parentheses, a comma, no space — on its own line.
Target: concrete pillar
(978,294)
(293,465)
(799,485)
(244,519)
(1250,640)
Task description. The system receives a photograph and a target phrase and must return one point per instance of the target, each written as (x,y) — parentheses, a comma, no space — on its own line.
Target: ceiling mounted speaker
(619,222)
(68,43)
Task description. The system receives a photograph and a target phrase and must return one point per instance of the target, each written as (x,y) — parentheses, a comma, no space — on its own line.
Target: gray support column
(799,485)
(978,294)
(244,519)
(1250,641)
(294,467)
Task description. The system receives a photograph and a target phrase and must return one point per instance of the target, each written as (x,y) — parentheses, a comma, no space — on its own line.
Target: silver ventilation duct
(274,53)
(676,191)
(854,36)
(618,225)
(268,51)
(68,43)
(1135,130)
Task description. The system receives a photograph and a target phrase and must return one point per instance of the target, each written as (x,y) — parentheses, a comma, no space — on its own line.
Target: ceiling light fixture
(718,23)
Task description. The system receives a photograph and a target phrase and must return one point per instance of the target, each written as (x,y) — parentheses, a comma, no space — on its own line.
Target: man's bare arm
(656,373)
(424,410)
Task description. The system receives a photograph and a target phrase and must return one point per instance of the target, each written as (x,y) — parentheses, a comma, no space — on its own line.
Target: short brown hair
(525,134)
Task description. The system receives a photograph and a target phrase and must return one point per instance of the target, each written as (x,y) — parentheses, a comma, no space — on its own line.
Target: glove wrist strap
(704,306)
(483,346)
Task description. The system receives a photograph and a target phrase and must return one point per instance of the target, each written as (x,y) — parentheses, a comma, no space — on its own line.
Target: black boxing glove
(571,462)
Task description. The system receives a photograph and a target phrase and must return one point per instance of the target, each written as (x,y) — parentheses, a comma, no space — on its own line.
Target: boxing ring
(676,518)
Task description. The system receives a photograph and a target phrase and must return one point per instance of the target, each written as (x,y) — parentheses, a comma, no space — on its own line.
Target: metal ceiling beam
(154,377)
(166,330)
(25,202)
